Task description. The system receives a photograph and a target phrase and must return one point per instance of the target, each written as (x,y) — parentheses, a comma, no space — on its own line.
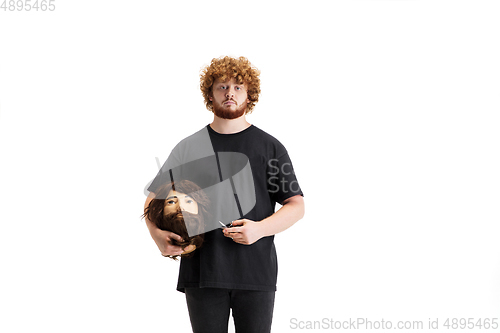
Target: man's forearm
(151,226)
(291,211)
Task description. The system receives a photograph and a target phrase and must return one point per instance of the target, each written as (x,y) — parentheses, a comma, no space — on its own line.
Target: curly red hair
(225,68)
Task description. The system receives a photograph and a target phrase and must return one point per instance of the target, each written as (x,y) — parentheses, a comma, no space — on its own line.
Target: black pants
(209,310)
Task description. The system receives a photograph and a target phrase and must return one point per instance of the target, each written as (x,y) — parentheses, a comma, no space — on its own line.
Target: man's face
(229,99)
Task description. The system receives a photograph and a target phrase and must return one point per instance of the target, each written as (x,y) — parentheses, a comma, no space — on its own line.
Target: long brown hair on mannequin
(175,221)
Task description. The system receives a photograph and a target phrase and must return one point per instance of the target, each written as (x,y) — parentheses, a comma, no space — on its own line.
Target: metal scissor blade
(226,226)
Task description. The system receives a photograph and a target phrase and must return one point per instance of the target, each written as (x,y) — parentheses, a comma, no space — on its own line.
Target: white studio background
(389,110)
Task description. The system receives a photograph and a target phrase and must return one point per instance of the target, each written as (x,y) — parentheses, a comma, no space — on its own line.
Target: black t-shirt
(220,262)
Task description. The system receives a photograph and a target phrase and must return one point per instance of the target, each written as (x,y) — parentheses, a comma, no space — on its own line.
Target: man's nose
(230,92)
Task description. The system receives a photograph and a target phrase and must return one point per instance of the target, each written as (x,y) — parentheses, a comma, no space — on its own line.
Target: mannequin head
(185,203)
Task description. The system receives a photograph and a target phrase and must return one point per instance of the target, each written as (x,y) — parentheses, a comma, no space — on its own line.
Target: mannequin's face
(177,200)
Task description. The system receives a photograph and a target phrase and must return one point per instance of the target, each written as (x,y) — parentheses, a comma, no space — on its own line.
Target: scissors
(226,226)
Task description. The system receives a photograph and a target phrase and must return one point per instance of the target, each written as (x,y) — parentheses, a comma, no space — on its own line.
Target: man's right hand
(163,240)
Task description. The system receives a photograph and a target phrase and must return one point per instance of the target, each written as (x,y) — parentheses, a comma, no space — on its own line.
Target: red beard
(222,112)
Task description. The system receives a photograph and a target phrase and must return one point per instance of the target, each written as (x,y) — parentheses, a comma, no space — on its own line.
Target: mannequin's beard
(176,222)
(224,113)
(179,222)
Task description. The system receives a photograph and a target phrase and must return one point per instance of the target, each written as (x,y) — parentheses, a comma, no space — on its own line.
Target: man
(236,268)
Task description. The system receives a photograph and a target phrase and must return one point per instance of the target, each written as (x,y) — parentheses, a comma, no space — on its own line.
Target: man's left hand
(244,231)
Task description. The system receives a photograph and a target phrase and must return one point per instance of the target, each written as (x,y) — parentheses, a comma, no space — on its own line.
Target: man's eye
(170,202)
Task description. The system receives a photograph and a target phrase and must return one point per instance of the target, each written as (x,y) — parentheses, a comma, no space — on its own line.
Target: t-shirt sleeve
(281,179)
